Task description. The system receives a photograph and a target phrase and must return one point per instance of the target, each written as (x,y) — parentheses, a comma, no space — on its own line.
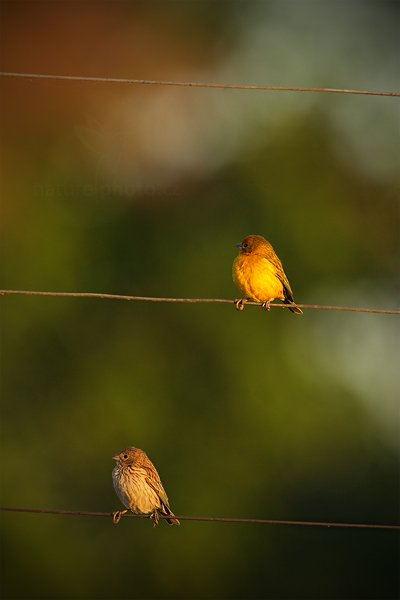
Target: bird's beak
(239,245)
(116,457)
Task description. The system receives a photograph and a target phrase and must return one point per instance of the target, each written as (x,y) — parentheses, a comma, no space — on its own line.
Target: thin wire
(80,513)
(192,301)
(223,86)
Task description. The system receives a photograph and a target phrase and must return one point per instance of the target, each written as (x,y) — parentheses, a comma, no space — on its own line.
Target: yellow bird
(258,273)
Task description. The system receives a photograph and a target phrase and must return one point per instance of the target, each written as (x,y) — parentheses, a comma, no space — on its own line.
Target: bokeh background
(145,190)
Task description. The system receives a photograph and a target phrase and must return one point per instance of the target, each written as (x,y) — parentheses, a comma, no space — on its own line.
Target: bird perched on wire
(258,273)
(139,486)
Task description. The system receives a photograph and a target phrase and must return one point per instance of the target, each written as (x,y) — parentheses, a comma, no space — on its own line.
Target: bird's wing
(153,480)
(281,275)
(287,290)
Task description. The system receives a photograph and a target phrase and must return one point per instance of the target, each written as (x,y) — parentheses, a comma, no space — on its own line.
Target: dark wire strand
(196,84)
(75,513)
(192,301)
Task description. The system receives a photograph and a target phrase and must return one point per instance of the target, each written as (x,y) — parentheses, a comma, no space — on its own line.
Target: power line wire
(74,513)
(191,301)
(196,84)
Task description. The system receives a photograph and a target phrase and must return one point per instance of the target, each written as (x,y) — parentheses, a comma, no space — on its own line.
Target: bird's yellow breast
(257,277)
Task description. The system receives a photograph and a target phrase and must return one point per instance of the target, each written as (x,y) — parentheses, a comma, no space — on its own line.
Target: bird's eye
(125,456)
(245,245)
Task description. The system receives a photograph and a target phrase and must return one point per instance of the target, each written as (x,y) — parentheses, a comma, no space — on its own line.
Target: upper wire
(197,84)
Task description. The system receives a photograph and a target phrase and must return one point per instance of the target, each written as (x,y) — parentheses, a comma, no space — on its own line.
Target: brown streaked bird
(139,487)
(258,273)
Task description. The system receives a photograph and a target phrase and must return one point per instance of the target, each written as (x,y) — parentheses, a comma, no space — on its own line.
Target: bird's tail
(167,512)
(293,308)
(288,298)
(172,520)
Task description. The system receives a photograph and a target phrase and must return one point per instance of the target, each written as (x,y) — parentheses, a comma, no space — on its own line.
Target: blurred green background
(145,190)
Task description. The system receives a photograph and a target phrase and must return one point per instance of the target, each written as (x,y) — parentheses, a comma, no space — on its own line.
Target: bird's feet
(155,517)
(240,304)
(266,305)
(117,515)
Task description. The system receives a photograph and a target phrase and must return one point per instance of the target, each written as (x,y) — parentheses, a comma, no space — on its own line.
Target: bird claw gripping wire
(155,517)
(240,303)
(117,516)
(266,305)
